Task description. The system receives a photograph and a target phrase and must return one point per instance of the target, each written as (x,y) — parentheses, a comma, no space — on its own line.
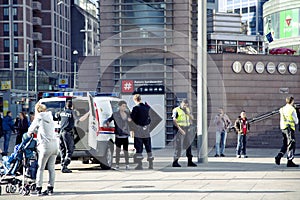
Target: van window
(104,110)
(54,107)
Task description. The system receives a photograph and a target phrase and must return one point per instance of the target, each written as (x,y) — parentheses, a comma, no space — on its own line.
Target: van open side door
(93,124)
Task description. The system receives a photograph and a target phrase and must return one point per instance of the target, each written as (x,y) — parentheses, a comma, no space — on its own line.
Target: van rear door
(81,109)
(93,123)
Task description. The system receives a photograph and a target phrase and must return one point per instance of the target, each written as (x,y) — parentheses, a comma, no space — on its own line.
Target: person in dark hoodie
(141,118)
(8,128)
(121,120)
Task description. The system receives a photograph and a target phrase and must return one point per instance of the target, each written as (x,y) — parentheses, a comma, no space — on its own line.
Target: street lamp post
(35,76)
(75,53)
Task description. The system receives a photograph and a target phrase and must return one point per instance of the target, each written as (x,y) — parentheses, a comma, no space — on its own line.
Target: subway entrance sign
(63,83)
(142,87)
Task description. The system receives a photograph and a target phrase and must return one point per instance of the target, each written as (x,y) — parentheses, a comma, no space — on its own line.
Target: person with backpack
(141,118)
(182,120)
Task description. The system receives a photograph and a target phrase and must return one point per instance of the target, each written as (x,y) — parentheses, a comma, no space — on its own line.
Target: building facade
(146,40)
(282,20)
(250,10)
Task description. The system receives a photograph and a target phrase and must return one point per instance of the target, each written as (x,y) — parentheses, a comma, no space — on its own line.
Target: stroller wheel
(13,188)
(7,189)
(20,190)
(27,192)
(33,187)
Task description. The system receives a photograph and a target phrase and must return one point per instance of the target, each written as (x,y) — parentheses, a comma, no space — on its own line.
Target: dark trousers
(138,145)
(288,143)
(66,147)
(119,142)
(183,141)
(241,144)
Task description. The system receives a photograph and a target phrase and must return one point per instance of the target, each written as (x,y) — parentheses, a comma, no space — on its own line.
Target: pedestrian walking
(141,118)
(8,128)
(121,120)
(182,120)
(222,123)
(22,127)
(47,148)
(242,127)
(66,136)
(288,121)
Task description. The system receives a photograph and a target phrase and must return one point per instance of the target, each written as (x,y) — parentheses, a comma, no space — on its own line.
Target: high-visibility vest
(182,118)
(287,117)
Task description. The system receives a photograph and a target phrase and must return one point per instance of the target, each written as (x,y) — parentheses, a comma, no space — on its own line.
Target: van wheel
(107,159)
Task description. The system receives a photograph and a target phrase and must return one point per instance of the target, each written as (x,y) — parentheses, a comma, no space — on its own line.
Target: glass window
(15,29)
(16,61)
(6,43)
(244,10)
(6,61)
(252,9)
(237,10)
(15,11)
(16,44)
(6,27)
(5,12)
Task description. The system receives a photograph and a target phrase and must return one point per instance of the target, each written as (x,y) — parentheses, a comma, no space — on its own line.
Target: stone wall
(256,93)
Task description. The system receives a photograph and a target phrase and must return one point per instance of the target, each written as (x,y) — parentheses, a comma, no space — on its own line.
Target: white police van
(93,139)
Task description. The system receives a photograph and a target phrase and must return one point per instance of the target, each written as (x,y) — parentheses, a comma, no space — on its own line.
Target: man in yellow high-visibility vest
(182,120)
(288,121)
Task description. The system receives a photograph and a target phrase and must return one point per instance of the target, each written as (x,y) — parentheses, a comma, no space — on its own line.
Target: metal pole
(27,76)
(202,84)
(35,76)
(12,46)
(75,70)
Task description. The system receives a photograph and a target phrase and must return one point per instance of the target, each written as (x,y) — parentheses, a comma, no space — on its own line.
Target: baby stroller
(23,161)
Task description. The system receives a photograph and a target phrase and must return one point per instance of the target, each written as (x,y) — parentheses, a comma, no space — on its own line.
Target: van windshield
(55,107)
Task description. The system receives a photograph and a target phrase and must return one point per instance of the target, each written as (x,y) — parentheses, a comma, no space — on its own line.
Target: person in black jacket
(140,116)
(22,127)
(66,138)
(122,131)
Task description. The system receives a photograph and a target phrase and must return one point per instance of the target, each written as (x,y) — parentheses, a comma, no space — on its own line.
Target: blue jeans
(241,144)
(220,141)
(6,135)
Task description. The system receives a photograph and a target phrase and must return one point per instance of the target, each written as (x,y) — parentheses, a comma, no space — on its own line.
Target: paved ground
(256,177)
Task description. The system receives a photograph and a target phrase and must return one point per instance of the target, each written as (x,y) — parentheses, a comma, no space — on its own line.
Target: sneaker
(127,167)
(244,156)
(138,167)
(117,167)
(66,170)
(222,155)
(238,156)
(277,160)
(36,192)
(290,163)
(176,164)
(217,155)
(48,192)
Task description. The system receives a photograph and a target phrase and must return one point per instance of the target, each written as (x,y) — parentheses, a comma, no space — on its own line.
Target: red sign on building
(127,86)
